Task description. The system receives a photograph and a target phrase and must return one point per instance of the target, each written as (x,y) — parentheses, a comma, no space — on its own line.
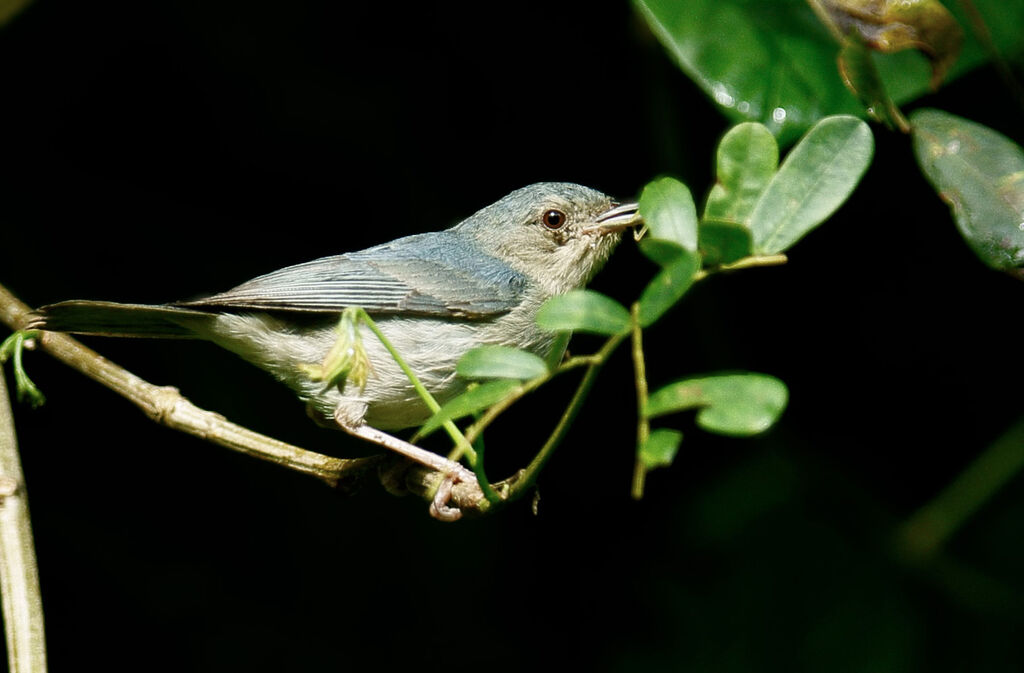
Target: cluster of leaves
(756,211)
(775,63)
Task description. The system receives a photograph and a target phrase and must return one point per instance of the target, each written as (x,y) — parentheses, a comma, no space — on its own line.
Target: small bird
(435,296)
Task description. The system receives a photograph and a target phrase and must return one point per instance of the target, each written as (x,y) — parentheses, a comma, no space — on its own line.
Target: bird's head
(557,233)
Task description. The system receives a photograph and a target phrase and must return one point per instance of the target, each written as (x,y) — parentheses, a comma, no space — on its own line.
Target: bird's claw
(439,507)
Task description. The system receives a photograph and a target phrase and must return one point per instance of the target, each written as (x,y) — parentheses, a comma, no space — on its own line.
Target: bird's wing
(435,274)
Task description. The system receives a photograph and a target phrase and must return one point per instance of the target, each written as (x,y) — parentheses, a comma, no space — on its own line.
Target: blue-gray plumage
(433,274)
(434,295)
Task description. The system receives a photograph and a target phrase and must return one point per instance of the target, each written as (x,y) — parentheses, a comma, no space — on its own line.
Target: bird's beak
(620,217)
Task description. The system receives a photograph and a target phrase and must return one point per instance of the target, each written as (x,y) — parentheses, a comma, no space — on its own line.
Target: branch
(19,577)
(643,424)
(527,477)
(167,406)
(751,262)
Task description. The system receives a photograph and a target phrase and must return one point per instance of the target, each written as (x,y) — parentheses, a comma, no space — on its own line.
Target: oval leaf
(660,251)
(668,287)
(500,362)
(660,448)
(666,206)
(814,180)
(723,242)
(584,311)
(729,404)
(747,159)
(473,400)
(980,173)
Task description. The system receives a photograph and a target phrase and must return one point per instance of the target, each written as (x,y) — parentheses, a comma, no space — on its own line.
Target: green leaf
(660,448)
(980,174)
(557,352)
(667,208)
(771,62)
(729,404)
(660,251)
(748,157)
(474,399)
(775,62)
(500,362)
(724,242)
(12,348)
(668,287)
(584,311)
(814,180)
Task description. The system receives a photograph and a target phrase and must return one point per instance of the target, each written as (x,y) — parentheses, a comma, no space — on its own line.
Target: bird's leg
(348,362)
(452,472)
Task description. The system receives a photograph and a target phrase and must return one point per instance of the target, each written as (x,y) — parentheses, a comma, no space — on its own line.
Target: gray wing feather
(436,274)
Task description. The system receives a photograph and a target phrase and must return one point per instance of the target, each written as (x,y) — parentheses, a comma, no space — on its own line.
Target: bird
(434,295)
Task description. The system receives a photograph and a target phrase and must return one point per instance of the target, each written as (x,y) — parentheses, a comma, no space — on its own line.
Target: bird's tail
(107,318)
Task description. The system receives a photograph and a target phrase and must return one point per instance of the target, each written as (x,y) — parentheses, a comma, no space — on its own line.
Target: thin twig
(474,431)
(19,577)
(463,447)
(527,477)
(643,424)
(744,263)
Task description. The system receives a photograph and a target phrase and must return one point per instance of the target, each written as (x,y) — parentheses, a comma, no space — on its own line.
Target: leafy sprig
(755,212)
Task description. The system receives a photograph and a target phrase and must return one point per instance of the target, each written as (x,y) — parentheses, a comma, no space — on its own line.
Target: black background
(160,150)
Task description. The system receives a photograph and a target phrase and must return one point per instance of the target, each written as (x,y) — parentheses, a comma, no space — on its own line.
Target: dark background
(153,151)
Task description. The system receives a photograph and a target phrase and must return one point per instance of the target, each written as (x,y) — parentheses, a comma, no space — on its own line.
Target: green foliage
(501,362)
(747,159)
(668,287)
(778,207)
(584,311)
(724,242)
(11,348)
(980,174)
(774,62)
(814,180)
(767,62)
(755,210)
(884,51)
(660,448)
(668,211)
(739,405)
(473,400)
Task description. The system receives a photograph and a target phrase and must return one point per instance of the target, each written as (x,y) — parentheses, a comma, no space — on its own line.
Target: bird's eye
(554,219)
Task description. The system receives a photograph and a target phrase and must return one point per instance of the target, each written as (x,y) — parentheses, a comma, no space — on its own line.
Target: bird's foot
(439,507)
(455,479)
